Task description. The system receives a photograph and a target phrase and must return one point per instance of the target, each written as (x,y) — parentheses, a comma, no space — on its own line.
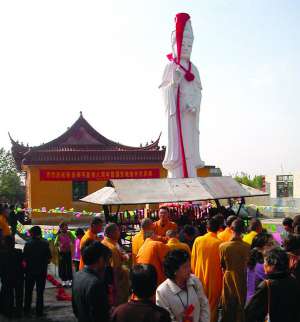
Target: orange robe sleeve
(225,235)
(194,257)
(137,242)
(162,251)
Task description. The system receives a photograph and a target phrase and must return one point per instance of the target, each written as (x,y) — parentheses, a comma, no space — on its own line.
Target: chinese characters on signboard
(95,175)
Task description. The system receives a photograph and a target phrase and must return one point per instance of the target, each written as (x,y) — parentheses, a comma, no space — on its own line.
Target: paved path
(55,311)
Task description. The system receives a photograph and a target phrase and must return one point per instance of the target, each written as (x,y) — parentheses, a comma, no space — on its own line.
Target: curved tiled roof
(81,143)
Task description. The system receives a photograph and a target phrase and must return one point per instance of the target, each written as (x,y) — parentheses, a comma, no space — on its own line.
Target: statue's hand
(191,109)
(178,74)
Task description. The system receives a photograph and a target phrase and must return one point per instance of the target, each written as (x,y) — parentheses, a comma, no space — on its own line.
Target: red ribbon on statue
(178,117)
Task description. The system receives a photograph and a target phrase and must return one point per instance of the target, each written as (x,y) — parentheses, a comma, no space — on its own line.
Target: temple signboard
(95,175)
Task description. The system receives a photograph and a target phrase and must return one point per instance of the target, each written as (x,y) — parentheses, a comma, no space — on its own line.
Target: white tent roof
(147,191)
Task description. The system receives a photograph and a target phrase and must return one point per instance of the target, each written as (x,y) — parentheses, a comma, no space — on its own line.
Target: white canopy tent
(148,191)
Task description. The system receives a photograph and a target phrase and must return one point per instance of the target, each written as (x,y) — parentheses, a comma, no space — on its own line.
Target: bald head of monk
(96,225)
(112,231)
(213,225)
(230,220)
(238,227)
(172,234)
(147,227)
(147,224)
(255,225)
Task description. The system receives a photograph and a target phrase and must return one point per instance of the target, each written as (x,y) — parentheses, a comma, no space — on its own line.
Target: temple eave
(69,157)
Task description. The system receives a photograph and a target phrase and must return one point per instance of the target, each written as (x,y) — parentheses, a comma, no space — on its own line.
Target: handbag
(267,319)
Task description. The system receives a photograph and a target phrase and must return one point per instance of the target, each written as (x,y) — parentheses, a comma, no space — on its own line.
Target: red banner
(95,175)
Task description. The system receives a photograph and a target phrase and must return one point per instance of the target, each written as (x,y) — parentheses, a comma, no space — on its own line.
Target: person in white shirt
(182,293)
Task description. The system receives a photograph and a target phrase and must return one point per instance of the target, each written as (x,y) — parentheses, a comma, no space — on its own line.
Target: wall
(52,194)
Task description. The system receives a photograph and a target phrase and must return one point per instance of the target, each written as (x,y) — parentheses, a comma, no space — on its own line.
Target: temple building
(79,162)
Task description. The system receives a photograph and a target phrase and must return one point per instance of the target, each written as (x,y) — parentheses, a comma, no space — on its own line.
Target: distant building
(61,172)
(284,189)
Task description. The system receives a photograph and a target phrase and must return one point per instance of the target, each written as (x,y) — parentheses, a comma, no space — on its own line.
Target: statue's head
(182,37)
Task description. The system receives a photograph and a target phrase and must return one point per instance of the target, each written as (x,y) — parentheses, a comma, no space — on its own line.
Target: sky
(106,59)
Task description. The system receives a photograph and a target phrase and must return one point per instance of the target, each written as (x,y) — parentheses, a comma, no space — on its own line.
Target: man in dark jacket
(12,278)
(280,298)
(37,256)
(12,220)
(292,246)
(90,293)
(141,307)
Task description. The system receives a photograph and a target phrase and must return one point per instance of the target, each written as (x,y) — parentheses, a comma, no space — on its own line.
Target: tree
(7,163)
(11,188)
(244,178)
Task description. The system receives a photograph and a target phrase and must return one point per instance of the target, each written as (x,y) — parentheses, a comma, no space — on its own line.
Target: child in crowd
(64,242)
(12,278)
(76,256)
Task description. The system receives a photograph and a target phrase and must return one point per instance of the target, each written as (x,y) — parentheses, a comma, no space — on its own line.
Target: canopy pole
(241,204)
(106,213)
(217,201)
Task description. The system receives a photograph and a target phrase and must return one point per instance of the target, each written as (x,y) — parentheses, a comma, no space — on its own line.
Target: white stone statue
(181,87)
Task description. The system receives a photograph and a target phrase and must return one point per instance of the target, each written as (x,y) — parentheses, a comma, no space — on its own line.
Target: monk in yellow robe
(174,242)
(118,259)
(163,224)
(206,265)
(153,252)
(234,259)
(139,238)
(227,234)
(255,227)
(91,234)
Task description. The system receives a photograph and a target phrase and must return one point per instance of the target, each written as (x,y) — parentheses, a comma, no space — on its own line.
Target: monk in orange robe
(234,259)
(206,265)
(227,234)
(139,238)
(118,259)
(163,224)
(91,234)
(174,242)
(153,252)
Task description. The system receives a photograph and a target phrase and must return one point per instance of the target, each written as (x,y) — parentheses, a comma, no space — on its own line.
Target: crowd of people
(225,274)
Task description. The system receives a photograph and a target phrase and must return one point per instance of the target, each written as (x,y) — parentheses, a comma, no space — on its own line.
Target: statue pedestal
(209,171)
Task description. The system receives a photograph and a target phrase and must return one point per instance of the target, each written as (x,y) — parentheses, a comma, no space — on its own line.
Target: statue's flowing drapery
(190,100)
